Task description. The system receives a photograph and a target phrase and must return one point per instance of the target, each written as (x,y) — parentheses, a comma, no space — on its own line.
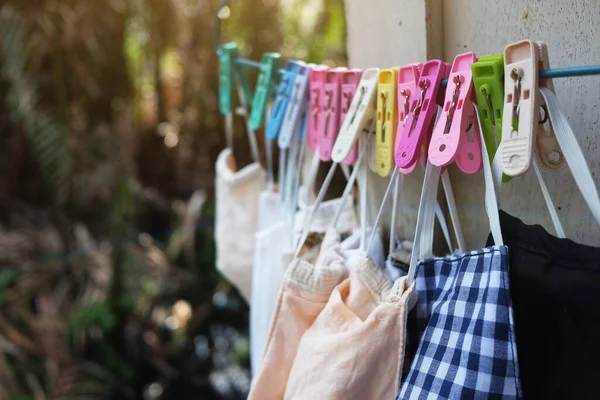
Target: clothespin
(520,107)
(282,98)
(488,81)
(408,78)
(450,140)
(350,80)
(362,110)
(264,87)
(330,102)
(546,145)
(317,80)
(386,120)
(417,129)
(296,106)
(227,55)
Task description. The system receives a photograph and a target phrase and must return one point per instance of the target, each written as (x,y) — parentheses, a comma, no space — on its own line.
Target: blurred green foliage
(108,123)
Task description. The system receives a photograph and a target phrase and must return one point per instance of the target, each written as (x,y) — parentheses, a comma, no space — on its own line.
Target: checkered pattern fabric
(464,311)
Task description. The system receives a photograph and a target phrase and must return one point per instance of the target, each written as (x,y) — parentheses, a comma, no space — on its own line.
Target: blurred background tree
(109,132)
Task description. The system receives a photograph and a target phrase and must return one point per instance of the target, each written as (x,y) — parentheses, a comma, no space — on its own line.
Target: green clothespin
(227,55)
(488,80)
(270,63)
(242,80)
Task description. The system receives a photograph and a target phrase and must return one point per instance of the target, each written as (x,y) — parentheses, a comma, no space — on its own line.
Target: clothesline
(567,72)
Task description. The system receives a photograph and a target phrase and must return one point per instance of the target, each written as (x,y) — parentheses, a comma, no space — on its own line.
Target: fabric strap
(425,217)
(570,148)
(560,232)
(246,116)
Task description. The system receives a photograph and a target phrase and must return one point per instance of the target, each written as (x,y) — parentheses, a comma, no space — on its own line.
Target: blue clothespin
(282,98)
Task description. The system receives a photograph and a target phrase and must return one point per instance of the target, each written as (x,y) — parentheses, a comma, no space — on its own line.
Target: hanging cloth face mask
(464,310)
(369,307)
(236,219)
(558,350)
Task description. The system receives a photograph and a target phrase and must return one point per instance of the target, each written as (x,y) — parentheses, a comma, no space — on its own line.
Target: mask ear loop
(314,207)
(246,116)
(348,188)
(269,155)
(297,169)
(330,174)
(572,152)
(426,212)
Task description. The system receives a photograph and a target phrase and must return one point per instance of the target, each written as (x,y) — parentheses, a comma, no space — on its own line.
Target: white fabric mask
(236,221)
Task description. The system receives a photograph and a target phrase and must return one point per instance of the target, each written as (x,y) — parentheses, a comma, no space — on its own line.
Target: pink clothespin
(317,80)
(350,80)
(450,140)
(330,107)
(408,78)
(417,128)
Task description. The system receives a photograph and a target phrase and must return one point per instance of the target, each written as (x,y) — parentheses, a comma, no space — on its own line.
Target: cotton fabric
(273,254)
(355,347)
(353,255)
(304,294)
(236,219)
(555,288)
(467,348)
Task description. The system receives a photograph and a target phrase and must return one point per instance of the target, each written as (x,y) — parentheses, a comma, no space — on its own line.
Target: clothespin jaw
(450,140)
(317,80)
(547,148)
(416,132)
(387,121)
(488,82)
(350,80)
(520,116)
(330,102)
(297,102)
(227,55)
(270,63)
(361,112)
(282,98)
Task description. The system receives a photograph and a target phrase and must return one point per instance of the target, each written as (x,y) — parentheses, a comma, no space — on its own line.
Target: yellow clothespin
(387,120)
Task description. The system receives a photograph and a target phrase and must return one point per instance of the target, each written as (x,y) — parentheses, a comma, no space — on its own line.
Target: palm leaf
(47,139)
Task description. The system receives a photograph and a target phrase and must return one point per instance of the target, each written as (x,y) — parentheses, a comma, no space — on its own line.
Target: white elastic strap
(292,181)
(570,148)
(363,184)
(497,169)
(445,231)
(347,190)
(346,171)
(229,130)
(424,215)
(314,207)
(388,190)
(282,177)
(249,130)
(312,177)
(269,154)
(491,201)
(395,198)
(553,214)
(453,212)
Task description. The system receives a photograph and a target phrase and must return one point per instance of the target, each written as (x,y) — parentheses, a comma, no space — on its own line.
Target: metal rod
(570,71)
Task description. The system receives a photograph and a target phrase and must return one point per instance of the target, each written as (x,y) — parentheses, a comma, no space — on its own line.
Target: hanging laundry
(354,348)
(236,219)
(305,292)
(464,318)
(273,255)
(554,287)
